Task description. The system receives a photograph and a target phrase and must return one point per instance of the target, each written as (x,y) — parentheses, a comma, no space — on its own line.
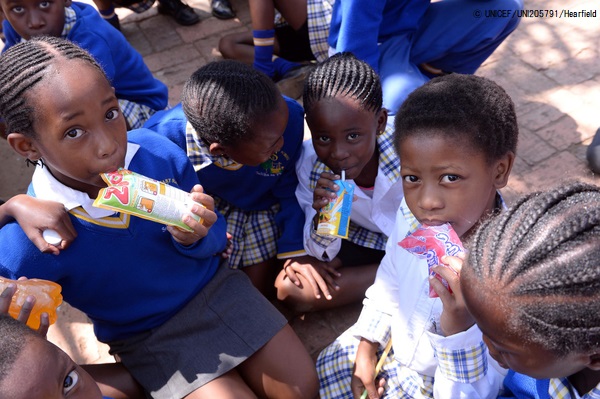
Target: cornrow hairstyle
(14,335)
(22,67)
(223,99)
(343,75)
(542,254)
(466,108)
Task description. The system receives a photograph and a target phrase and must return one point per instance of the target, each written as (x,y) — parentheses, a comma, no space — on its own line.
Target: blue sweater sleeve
(520,386)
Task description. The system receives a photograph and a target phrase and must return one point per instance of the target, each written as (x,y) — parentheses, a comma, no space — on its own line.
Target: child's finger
(454,262)
(44,324)
(449,275)
(441,290)
(26,309)
(6,297)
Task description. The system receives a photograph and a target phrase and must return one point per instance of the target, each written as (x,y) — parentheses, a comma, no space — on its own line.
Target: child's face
(42,370)
(267,138)
(509,350)
(81,131)
(449,182)
(35,17)
(344,134)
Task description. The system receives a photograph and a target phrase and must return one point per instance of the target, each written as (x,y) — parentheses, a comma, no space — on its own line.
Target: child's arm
(363,376)
(35,215)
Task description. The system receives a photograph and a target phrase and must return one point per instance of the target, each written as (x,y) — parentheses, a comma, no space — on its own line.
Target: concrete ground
(549,66)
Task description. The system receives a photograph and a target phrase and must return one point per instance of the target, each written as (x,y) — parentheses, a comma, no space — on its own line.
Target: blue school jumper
(123,65)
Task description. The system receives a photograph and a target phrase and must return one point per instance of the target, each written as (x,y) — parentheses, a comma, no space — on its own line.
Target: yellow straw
(379,365)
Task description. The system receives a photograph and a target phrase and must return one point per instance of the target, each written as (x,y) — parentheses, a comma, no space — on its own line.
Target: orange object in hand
(47,298)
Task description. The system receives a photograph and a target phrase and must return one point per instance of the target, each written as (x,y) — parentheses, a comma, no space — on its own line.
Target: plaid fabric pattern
(200,155)
(135,114)
(389,163)
(254,234)
(319,19)
(374,326)
(560,388)
(336,362)
(70,19)
(464,365)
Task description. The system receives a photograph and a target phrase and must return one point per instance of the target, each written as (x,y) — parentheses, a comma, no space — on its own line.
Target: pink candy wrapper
(431,243)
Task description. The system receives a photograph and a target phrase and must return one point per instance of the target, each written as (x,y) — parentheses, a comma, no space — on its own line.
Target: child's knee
(226,44)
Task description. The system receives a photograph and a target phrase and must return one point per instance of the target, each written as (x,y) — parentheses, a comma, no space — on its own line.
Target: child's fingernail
(329,297)
(318,296)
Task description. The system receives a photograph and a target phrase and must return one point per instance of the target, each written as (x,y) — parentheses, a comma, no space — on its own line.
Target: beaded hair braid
(343,75)
(25,65)
(223,99)
(468,109)
(543,255)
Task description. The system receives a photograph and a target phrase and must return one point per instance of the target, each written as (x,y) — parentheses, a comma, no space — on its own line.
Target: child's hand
(205,209)
(363,376)
(228,248)
(320,275)
(35,215)
(325,190)
(6,298)
(455,316)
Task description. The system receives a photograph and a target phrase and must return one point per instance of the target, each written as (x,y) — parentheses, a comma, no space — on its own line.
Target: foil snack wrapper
(431,243)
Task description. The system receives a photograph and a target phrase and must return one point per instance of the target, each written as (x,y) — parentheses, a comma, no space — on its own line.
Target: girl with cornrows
(532,284)
(343,106)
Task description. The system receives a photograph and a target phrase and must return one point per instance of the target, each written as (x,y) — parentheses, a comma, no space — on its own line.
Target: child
(456,137)
(139,93)
(156,295)
(32,367)
(342,99)
(244,140)
(531,282)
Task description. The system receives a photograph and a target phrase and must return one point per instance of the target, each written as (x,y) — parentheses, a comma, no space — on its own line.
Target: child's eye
(450,178)
(45,4)
(71,381)
(323,139)
(411,179)
(18,10)
(352,136)
(112,114)
(74,133)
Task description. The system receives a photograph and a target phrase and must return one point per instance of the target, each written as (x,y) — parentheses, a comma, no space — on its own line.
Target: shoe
(222,9)
(292,83)
(181,12)
(593,153)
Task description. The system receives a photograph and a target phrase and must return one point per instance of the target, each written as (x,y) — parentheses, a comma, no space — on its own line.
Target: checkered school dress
(561,388)
(319,19)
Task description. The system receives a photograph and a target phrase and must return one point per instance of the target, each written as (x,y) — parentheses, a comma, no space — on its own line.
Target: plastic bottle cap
(51,237)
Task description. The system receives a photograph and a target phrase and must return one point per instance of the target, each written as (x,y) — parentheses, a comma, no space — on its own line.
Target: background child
(342,99)
(154,294)
(244,140)
(139,93)
(531,282)
(32,367)
(456,137)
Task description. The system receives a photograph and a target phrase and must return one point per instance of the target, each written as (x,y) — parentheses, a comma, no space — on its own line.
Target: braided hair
(343,75)
(465,108)
(543,254)
(22,67)
(223,99)
(14,335)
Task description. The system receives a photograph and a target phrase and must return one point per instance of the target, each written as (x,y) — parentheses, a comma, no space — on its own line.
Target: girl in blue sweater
(531,282)
(161,298)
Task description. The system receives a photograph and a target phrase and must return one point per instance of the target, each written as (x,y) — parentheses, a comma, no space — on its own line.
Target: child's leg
(115,381)
(263,276)
(238,46)
(281,369)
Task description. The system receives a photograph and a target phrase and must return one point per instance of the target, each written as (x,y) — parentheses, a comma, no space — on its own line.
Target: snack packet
(431,243)
(138,195)
(334,218)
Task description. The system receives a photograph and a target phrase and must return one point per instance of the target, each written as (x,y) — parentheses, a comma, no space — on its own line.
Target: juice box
(138,195)
(334,218)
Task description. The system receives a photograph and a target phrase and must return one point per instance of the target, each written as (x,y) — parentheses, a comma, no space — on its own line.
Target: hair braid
(344,75)
(22,67)
(545,261)
(222,100)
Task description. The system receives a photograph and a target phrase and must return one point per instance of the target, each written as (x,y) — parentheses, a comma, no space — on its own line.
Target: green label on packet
(138,195)
(334,219)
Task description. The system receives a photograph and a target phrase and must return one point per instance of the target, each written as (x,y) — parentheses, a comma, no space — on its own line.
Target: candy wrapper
(134,194)
(334,219)
(431,243)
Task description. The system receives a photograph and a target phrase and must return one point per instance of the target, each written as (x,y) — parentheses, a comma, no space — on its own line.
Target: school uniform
(524,387)
(396,36)
(155,302)
(258,202)
(374,211)
(139,93)
(422,362)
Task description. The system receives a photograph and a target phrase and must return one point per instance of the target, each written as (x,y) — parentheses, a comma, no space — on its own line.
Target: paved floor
(549,66)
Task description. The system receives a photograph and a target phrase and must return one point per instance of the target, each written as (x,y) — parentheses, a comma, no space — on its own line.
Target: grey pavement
(549,66)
